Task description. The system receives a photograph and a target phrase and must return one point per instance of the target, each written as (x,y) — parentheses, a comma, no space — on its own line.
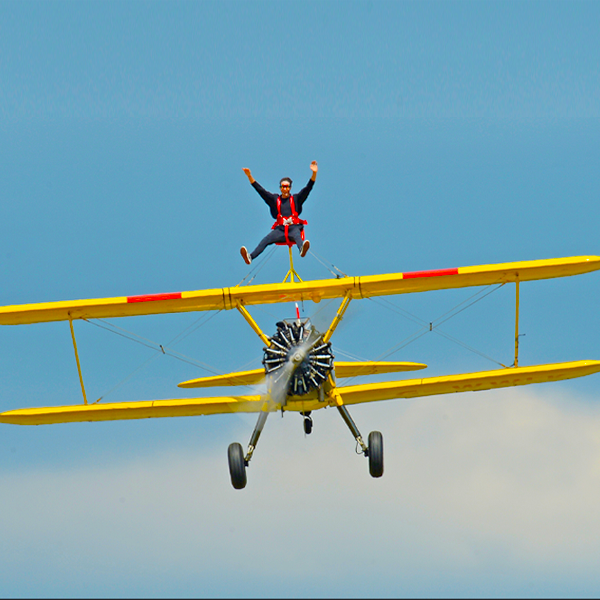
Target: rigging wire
(415,319)
(385,303)
(258,267)
(127,335)
(467,347)
(388,304)
(158,348)
(405,342)
(126,379)
(324,305)
(264,310)
(164,349)
(244,367)
(425,327)
(324,263)
(350,355)
(193,327)
(433,326)
(469,305)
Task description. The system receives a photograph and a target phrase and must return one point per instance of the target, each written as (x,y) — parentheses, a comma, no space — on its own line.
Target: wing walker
(300,371)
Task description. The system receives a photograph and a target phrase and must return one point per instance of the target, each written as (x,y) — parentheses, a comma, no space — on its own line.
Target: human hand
(249,175)
(313,166)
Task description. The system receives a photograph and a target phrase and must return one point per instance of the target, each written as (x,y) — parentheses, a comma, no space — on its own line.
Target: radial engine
(298,354)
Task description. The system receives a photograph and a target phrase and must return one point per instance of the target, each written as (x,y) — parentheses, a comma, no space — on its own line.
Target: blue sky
(447,134)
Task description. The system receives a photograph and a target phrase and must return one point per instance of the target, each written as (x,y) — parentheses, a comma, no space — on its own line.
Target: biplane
(300,369)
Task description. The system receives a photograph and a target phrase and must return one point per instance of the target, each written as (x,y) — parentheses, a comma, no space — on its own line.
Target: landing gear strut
(374,451)
(235,455)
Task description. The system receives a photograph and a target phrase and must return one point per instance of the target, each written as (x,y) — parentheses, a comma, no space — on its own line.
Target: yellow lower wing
(355,368)
(120,411)
(483,380)
(342,369)
(468,382)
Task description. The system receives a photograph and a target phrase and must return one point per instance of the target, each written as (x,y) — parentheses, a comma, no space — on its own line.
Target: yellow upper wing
(317,290)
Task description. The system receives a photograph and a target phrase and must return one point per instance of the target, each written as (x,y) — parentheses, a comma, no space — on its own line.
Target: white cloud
(508,480)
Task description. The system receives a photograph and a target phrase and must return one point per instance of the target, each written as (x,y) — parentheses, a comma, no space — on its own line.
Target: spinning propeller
(297,361)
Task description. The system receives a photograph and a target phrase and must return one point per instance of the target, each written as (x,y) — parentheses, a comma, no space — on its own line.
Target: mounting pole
(77,359)
(292,271)
(517,327)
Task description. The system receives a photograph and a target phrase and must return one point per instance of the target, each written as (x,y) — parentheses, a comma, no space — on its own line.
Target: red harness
(285,221)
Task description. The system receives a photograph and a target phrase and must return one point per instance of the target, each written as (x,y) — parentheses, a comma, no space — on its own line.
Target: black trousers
(278,235)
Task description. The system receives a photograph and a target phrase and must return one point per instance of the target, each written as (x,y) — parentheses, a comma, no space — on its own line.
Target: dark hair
(286,179)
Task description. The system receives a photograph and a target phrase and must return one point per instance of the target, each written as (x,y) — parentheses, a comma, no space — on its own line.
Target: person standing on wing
(285,209)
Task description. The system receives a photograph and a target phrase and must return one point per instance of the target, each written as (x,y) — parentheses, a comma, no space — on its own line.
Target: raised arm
(268,197)
(302,195)
(249,175)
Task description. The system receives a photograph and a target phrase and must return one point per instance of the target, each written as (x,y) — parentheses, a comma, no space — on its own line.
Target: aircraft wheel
(308,425)
(375,454)
(237,466)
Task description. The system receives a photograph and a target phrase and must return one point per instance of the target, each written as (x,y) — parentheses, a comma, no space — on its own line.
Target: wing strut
(77,359)
(517,327)
(244,312)
(338,317)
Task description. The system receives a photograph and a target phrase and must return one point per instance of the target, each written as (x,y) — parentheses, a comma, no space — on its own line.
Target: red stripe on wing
(435,273)
(154,297)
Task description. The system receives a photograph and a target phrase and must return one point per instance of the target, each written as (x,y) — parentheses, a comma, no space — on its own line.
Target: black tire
(237,466)
(308,425)
(375,454)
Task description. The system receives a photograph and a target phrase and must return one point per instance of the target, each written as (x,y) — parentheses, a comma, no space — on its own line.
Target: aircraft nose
(298,357)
